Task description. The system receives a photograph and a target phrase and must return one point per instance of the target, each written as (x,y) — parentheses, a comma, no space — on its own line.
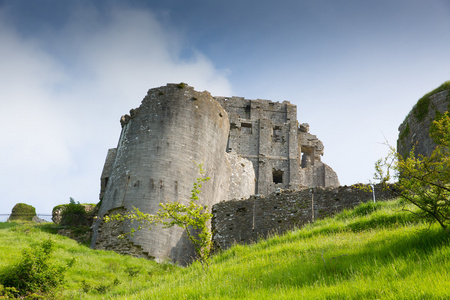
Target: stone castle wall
(414,131)
(284,154)
(247,147)
(155,161)
(245,221)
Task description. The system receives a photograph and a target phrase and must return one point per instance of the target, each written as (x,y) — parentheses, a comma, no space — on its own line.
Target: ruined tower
(247,147)
(414,132)
(155,161)
(284,154)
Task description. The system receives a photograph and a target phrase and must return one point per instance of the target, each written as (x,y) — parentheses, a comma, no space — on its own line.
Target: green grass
(376,251)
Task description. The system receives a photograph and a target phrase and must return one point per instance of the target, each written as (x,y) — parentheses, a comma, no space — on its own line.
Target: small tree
(192,217)
(423,180)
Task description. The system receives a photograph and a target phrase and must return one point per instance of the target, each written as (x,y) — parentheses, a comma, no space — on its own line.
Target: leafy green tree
(192,217)
(423,180)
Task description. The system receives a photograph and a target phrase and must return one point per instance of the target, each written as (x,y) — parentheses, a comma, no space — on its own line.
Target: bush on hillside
(33,274)
(423,180)
(74,214)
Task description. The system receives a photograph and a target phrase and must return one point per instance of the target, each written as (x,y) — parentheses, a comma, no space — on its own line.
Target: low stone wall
(112,242)
(83,237)
(245,221)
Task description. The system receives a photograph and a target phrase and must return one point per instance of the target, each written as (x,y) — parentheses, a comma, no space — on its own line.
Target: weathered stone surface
(36,219)
(241,177)
(174,128)
(107,169)
(414,131)
(246,146)
(111,240)
(284,154)
(58,210)
(246,221)
(83,237)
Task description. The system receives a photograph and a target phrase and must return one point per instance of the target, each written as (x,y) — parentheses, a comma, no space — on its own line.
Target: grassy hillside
(376,251)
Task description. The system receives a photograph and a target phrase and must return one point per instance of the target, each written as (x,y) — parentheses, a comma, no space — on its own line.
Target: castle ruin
(284,155)
(246,146)
(414,132)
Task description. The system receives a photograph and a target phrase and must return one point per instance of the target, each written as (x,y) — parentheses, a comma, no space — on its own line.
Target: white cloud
(63,93)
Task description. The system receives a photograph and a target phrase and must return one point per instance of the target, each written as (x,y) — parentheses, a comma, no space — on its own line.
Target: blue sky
(70,69)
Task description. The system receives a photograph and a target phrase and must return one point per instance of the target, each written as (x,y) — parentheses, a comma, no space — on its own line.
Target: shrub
(34,274)
(423,180)
(74,215)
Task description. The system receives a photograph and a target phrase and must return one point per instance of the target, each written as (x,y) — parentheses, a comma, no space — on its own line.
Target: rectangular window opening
(277,176)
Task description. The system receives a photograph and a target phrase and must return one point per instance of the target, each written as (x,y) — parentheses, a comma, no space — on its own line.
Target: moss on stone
(421,109)
(404,133)
(22,212)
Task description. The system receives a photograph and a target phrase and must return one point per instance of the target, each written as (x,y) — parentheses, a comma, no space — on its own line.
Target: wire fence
(47,217)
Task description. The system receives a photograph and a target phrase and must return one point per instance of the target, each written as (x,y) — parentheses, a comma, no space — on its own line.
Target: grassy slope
(373,252)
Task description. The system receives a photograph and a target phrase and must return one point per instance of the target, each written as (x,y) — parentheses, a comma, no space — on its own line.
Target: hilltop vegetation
(376,251)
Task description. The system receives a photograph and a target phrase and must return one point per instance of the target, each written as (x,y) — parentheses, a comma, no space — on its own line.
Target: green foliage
(367,255)
(192,217)
(404,133)
(421,109)
(34,274)
(181,85)
(74,215)
(22,212)
(440,130)
(424,180)
(8,292)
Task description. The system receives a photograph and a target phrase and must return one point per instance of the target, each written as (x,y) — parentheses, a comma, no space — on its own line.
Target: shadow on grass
(331,267)
(7,225)
(383,220)
(362,210)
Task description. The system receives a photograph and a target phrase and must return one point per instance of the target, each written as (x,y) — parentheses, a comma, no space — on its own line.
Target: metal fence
(47,217)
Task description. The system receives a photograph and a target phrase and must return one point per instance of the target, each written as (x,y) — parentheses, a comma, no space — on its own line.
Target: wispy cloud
(63,92)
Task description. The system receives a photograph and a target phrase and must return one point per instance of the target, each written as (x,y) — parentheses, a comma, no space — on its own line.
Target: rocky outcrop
(22,212)
(414,131)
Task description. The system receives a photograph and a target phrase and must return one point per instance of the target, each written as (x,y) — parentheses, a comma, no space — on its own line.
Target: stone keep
(155,161)
(247,147)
